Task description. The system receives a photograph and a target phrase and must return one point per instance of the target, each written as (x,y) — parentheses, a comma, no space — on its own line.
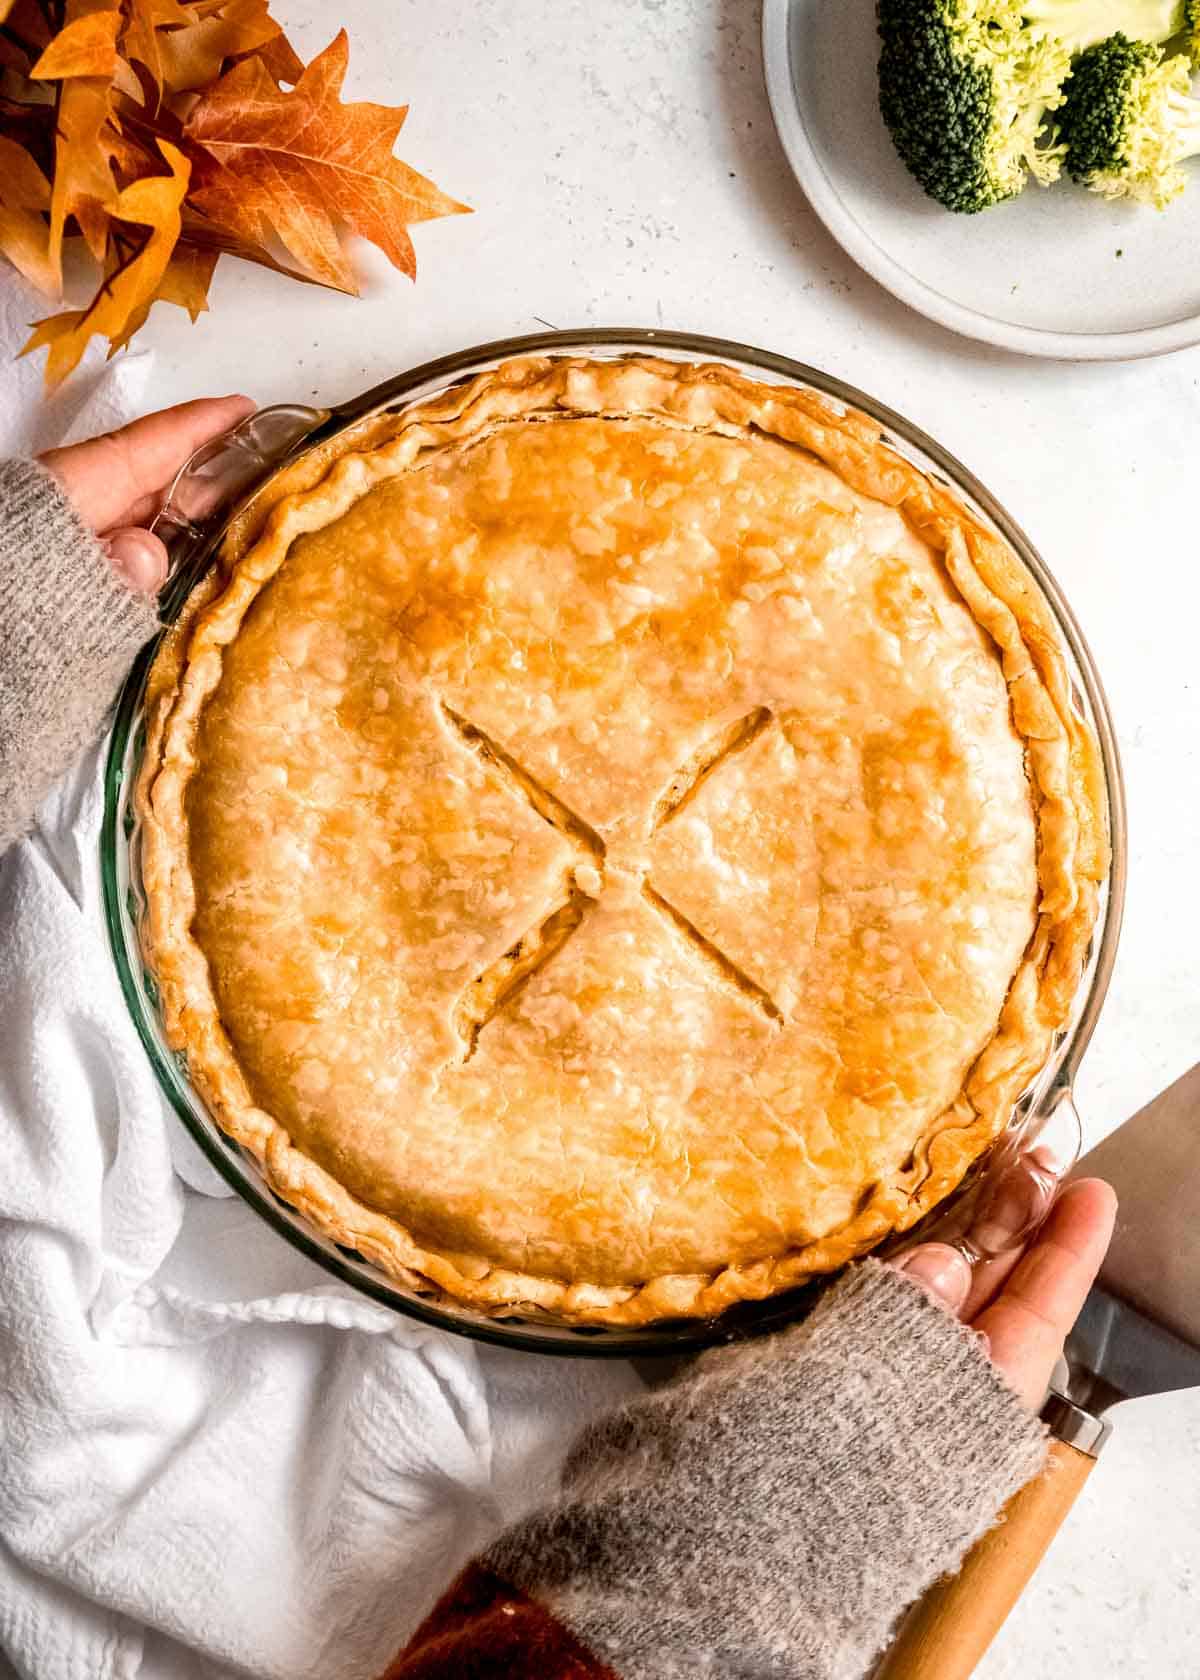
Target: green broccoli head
(965,86)
(1128,120)
(963,89)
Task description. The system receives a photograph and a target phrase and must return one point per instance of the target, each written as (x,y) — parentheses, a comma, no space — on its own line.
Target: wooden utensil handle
(946,1632)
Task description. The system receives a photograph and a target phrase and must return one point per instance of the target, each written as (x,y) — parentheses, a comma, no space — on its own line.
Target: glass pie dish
(214,492)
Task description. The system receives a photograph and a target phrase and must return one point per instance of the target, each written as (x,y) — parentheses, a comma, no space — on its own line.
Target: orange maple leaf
(97,93)
(193,57)
(155,202)
(208,237)
(83,179)
(187,278)
(24,235)
(141,41)
(295,165)
(282,60)
(185,282)
(85,47)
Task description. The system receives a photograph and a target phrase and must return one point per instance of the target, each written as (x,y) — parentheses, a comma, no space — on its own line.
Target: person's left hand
(117,481)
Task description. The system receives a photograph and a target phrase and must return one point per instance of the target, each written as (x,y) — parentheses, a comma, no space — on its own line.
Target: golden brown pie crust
(617,838)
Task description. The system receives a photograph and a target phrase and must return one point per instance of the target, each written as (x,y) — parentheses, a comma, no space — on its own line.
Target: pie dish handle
(219,475)
(1011,1198)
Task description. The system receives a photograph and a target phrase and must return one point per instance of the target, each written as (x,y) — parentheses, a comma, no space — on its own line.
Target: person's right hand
(1025,1302)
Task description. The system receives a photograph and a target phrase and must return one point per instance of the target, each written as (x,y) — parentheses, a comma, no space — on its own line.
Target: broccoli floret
(1129,120)
(965,86)
(955,82)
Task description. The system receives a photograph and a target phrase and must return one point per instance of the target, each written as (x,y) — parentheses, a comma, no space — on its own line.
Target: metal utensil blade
(1117,1353)
(1153,1163)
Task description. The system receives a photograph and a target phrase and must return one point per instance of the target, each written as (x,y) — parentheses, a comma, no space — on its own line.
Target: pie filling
(617,839)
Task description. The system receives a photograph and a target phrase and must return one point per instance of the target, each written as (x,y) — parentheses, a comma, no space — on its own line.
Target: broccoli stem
(1183,114)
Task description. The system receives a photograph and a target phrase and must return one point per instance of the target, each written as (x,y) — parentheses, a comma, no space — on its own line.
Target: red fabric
(483,1629)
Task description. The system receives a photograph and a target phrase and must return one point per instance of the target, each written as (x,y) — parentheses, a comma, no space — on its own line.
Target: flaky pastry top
(617,839)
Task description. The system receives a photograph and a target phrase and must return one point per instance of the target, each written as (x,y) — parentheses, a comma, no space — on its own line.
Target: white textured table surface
(625,171)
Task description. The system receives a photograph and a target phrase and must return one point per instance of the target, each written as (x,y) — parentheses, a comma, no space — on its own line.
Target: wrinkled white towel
(214,1460)
(98,395)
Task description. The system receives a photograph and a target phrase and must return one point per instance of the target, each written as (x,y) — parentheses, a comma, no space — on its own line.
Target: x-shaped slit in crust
(726,970)
(535,793)
(499,983)
(496,986)
(691,776)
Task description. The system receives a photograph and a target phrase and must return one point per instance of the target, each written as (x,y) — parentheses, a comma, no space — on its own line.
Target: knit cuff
(68,630)
(779,1506)
(951,1401)
(55,578)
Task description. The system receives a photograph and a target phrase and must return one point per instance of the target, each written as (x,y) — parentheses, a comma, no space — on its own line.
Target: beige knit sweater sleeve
(767,1516)
(770,1516)
(68,631)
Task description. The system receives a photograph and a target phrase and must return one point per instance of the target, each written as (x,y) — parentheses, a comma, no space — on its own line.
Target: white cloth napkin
(98,395)
(214,1460)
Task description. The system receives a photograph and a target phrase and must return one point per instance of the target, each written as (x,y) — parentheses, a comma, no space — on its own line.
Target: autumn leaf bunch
(160,133)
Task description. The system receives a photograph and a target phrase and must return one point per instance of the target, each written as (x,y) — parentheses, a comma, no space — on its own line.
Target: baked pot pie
(617,839)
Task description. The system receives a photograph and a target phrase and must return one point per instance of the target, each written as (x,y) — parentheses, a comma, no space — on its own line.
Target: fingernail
(138,559)
(1009,1212)
(941,1270)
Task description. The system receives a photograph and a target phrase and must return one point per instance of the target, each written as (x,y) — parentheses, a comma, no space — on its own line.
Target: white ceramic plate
(1040,274)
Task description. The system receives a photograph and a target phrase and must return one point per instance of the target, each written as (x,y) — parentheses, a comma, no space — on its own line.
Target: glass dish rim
(239,1170)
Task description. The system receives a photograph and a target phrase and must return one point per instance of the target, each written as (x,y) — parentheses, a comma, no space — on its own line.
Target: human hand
(117,481)
(1025,1301)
